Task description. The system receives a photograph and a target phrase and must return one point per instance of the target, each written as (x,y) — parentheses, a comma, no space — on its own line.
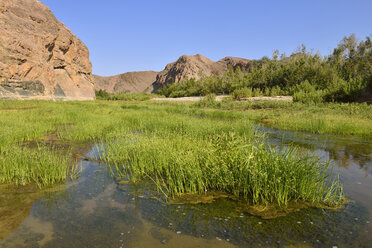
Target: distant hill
(195,66)
(130,82)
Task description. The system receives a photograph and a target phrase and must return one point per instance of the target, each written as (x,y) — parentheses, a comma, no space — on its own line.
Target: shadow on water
(98,211)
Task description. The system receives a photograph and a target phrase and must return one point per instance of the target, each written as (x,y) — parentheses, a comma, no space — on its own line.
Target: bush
(102,94)
(208,101)
(307,93)
(242,93)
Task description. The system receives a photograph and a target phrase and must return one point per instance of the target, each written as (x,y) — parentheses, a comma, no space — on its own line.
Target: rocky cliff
(39,57)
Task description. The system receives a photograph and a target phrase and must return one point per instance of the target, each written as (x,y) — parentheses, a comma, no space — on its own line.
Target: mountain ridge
(185,67)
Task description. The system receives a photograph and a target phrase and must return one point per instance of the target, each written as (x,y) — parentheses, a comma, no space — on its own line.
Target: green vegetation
(244,167)
(181,148)
(41,166)
(321,118)
(103,95)
(310,78)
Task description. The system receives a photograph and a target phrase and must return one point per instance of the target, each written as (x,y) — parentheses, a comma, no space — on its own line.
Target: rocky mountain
(195,66)
(129,82)
(39,57)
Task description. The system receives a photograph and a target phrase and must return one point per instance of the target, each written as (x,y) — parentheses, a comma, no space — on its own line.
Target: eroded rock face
(196,66)
(39,57)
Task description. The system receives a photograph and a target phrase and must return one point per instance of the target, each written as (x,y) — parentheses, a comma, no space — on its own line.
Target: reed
(41,166)
(244,167)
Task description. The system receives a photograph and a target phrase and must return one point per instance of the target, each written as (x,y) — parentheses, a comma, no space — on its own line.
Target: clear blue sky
(137,35)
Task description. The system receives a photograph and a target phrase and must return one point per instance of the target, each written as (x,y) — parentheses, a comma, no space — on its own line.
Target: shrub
(242,93)
(207,101)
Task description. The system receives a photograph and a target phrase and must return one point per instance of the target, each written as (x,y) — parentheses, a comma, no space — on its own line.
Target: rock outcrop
(197,66)
(130,82)
(39,57)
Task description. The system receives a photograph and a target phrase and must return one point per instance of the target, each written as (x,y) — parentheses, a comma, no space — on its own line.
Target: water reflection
(345,151)
(98,211)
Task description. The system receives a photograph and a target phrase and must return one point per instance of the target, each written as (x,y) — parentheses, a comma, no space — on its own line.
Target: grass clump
(41,166)
(243,167)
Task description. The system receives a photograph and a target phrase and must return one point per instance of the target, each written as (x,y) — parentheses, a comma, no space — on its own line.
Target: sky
(140,35)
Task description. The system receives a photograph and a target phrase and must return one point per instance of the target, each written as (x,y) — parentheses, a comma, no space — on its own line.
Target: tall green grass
(41,166)
(244,167)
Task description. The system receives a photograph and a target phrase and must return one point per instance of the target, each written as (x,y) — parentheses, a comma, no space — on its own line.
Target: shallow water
(97,211)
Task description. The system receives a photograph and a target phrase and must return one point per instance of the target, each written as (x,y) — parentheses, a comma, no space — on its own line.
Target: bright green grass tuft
(241,166)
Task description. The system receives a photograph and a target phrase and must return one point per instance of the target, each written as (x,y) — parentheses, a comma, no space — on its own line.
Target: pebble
(218,238)
(179,232)
(121,233)
(228,240)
